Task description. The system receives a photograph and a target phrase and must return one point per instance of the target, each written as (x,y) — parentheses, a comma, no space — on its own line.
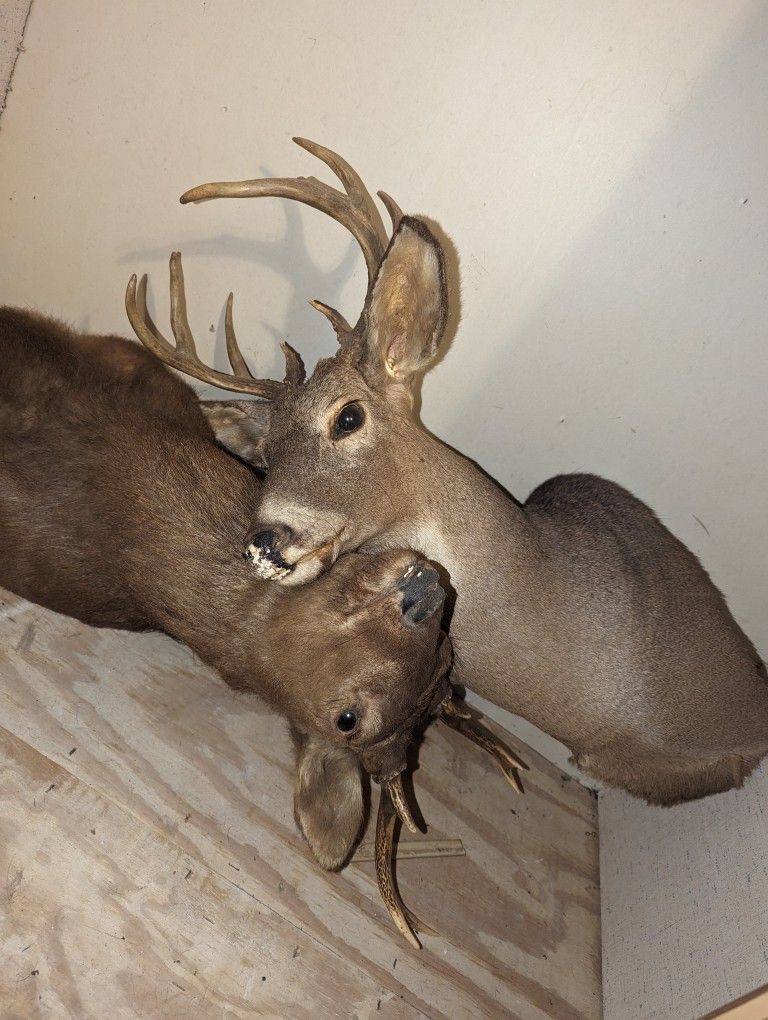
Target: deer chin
(310,566)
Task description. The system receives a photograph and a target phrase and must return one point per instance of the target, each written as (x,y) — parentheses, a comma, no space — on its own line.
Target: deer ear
(408,303)
(240,426)
(328,801)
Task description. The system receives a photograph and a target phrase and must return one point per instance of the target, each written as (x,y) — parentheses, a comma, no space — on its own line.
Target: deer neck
(465,521)
(184,561)
(505,623)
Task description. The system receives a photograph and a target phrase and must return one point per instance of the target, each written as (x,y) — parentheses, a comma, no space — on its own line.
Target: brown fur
(578,610)
(118,507)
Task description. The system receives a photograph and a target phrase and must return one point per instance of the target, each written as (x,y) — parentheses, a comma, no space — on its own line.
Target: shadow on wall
(288,257)
(669,282)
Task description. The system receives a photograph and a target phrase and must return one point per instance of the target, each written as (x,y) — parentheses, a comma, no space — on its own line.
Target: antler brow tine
(394,210)
(336,319)
(295,373)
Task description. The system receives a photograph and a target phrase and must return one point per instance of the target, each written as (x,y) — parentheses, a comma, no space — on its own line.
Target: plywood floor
(150,867)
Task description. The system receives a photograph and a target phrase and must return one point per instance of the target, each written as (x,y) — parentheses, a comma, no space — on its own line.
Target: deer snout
(283,553)
(422,595)
(263,550)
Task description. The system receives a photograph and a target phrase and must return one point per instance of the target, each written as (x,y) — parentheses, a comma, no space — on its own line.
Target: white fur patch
(429,540)
(264,566)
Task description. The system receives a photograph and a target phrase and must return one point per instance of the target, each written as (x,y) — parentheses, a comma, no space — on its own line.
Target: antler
(458,718)
(392,804)
(407,923)
(354,208)
(184,357)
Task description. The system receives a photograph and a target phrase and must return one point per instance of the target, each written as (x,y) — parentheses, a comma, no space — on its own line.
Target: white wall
(684,895)
(601,168)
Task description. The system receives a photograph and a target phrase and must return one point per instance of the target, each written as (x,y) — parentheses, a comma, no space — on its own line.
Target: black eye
(347,721)
(349,419)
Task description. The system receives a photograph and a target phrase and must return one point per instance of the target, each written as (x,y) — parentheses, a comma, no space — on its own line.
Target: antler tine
(295,373)
(185,342)
(143,326)
(336,319)
(459,719)
(236,359)
(406,922)
(184,356)
(394,210)
(394,788)
(353,208)
(353,185)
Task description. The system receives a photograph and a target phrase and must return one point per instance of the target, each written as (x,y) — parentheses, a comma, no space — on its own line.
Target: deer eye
(347,721)
(349,419)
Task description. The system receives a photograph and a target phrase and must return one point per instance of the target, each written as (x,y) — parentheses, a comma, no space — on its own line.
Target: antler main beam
(184,357)
(406,922)
(353,207)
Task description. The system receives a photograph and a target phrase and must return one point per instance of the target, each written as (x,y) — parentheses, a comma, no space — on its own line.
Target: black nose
(422,595)
(268,542)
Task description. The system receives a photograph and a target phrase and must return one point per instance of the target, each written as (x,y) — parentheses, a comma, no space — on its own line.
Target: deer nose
(422,594)
(266,541)
(262,548)
(270,540)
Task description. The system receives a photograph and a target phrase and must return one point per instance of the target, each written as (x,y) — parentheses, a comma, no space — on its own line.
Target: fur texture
(118,507)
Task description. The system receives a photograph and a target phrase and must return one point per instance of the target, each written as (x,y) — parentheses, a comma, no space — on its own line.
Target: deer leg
(384,854)
(460,719)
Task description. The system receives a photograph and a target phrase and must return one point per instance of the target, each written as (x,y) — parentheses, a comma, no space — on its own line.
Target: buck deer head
(347,437)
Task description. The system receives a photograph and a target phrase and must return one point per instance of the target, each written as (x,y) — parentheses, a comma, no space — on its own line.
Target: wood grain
(176,774)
